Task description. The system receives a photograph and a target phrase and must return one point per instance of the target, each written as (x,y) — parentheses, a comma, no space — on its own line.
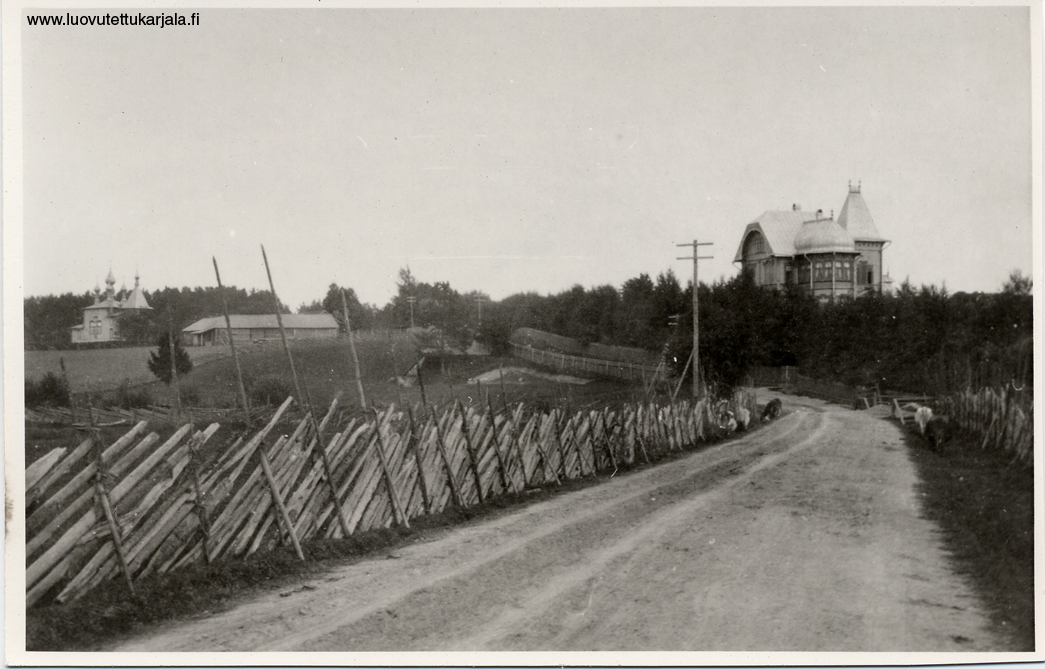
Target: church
(101,319)
(824,256)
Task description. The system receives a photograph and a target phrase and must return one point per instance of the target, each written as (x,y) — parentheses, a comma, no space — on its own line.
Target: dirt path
(804,536)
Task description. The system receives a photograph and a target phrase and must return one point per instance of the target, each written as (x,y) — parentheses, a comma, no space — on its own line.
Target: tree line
(917,339)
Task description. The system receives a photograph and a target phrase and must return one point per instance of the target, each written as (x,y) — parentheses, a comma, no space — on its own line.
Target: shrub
(190,396)
(50,390)
(128,398)
(270,390)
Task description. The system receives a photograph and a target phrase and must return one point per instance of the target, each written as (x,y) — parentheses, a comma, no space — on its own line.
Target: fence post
(415,443)
(446,461)
(199,507)
(471,452)
(497,446)
(103,497)
(393,494)
(355,358)
(281,508)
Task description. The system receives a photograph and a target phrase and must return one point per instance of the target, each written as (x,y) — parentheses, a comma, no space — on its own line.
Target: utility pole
(479,303)
(696,314)
(411,300)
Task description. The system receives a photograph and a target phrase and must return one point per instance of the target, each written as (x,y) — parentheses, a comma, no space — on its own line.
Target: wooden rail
(583,365)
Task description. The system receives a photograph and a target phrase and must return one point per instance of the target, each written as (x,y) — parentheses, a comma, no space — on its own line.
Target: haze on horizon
(518,150)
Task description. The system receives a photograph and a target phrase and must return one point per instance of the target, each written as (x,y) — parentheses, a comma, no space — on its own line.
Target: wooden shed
(250,328)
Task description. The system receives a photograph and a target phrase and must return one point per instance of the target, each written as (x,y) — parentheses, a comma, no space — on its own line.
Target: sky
(516,150)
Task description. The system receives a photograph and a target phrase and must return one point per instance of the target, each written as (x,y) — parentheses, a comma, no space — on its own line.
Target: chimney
(796,207)
(819,213)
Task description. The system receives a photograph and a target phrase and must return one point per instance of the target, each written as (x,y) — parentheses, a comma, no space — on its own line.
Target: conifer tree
(160,360)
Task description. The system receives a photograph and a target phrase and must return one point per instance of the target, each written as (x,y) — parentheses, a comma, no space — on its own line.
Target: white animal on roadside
(743,418)
(728,422)
(922,416)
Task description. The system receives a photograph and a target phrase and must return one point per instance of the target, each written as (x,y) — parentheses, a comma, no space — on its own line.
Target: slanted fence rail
(138,507)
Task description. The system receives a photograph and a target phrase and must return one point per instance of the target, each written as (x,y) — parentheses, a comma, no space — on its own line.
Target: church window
(96,327)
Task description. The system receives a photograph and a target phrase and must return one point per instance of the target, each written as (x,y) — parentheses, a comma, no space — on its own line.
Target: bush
(51,390)
(128,398)
(270,390)
(190,396)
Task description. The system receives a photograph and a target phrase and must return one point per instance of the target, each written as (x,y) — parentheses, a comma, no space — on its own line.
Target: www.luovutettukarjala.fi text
(123,19)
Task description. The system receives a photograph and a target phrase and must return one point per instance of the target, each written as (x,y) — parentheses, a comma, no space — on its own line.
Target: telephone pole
(411,300)
(696,318)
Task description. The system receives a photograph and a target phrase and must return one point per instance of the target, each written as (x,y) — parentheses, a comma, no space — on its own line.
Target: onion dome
(823,235)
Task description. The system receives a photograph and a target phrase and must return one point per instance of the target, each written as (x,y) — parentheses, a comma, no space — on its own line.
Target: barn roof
(264,321)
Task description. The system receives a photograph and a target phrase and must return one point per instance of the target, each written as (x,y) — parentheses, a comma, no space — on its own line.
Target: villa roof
(856,217)
(797,232)
(823,235)
(779,229)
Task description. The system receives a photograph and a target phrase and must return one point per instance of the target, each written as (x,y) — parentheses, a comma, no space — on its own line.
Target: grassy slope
(325,369)
(100,369)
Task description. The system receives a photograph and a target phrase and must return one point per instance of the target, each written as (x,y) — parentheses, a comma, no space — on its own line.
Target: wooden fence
(155,415)
(995,418)
(583,365)
(136,508)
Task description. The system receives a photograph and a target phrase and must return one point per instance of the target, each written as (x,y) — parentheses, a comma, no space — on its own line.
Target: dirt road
(803,536)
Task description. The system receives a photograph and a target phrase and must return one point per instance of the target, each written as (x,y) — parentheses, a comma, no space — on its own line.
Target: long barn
(249,328)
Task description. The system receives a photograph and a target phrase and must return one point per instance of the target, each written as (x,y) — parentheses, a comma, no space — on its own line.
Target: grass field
(106,368)
(325,369)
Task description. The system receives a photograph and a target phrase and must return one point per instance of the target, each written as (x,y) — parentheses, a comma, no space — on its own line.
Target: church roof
(823,235)
(856,217)
(105,303)
(136,300)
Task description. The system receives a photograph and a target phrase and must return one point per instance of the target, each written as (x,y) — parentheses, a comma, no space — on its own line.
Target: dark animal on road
(937,430)
(772,409)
